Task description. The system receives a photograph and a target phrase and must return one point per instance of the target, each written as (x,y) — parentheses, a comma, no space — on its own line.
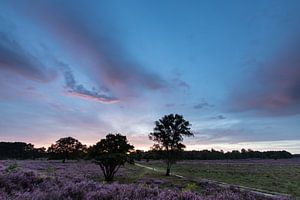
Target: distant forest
(216,155)
(21,150)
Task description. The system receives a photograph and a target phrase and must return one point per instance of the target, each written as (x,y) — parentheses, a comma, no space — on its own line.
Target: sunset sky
(88,68)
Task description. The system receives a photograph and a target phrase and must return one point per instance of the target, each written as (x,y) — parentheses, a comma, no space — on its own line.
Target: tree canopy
(168,135)
(111,153)
(66,148)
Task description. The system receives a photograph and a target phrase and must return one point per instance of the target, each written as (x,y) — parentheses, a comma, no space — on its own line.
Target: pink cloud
(94,98)
(105,60)
(274,89)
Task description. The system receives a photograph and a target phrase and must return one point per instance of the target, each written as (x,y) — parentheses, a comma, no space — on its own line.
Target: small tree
(168,135)
(66,148)
(111,153)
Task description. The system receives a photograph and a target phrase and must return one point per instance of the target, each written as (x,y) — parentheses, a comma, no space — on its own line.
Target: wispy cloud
(105,59)
(14,58)
(202,104)
(180,83)
(219,117)
(274,89)
(75,89)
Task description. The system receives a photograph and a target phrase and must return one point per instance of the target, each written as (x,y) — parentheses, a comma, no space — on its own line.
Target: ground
(281,176)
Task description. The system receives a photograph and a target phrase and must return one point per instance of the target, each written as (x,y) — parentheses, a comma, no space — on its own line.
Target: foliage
(137,155)
(11,167)
(20,150)
(111,153)
(66,148)
(168,136)
(190,187)
(216,155)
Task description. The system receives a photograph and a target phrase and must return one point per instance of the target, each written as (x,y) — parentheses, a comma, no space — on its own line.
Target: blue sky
(85,69)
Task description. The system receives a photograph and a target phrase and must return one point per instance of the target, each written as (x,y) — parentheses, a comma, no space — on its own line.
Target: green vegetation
(273,176)
(66,148)
(111,153)
(168,135)
(12,167)
(134,174)
(278,176)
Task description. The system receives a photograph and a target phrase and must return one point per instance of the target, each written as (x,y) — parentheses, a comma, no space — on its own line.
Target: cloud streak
(219,117)
(14,58)
(75,89)
(105,59)
(274,89)
(203,104)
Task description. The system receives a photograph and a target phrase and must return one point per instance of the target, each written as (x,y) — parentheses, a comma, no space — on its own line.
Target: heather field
(83,180)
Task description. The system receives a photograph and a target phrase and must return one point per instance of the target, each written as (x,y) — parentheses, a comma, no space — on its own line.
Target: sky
(88,68)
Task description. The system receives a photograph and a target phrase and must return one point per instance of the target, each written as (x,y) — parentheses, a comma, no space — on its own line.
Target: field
(281,176)
(84,180)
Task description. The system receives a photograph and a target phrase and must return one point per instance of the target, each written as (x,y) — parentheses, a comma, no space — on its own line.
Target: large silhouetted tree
(66,148)
(168,136)
(111,153)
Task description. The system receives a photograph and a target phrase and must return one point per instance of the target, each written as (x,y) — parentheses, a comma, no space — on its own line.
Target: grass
(278,177)
(134,174)
(274,177)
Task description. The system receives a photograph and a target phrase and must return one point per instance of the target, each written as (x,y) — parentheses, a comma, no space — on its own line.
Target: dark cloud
(92,42)
(170,105)
(203,104)
(14,58)
(180,83)
(219,117)
(75,89)
(274,89)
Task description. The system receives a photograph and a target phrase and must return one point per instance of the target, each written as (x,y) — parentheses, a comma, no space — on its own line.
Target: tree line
(214,155)
(114,150)
(21,150)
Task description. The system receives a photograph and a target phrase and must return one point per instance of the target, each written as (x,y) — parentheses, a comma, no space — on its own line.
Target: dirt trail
(157,170)
(222,184)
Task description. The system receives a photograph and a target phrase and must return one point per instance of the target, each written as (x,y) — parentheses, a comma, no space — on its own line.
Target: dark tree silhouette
(66,148)
(168,135)
(111,153)
(218,155)
(20,150)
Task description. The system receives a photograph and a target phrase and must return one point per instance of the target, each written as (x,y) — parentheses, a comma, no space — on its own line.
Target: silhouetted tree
(66,148)
(20,150)
(217,155)
(137,154)
(168,135)
(111,153)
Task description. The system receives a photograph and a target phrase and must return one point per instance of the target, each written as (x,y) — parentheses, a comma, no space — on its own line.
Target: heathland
(23,179)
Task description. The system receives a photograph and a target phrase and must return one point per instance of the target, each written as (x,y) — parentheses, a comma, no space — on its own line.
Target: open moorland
(43,179)
(279,176)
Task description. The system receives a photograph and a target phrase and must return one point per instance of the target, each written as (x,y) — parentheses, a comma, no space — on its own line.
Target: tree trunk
(109,173)
(108,179)
(168,171)
(168,168)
